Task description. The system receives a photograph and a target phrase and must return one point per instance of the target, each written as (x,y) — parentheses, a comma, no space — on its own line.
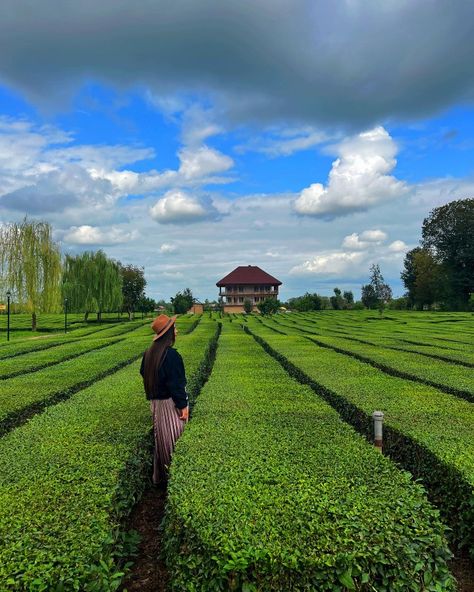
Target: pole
(8,316)
(65,315)
(378,422)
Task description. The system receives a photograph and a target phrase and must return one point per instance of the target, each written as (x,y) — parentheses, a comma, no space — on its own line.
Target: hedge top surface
(269,486)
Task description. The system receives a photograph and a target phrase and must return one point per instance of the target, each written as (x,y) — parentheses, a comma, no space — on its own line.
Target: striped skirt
(167,428)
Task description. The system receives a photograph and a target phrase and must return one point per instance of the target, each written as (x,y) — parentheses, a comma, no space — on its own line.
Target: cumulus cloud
(202,162)
(43,170)
(58,190)
(358,180)
(94,235)
(330,264)
(397,246)
(364,240)
(179,207)
(351,62)
(199,165)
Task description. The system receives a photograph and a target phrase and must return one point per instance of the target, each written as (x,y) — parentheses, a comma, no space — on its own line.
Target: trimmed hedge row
(22,397)
(60,516)
(447,377)
(27,346)
(462,357)
(429,433)
(269,491)
(37,360)
(52,322)
(32,344)
(444,375)
(344,322)
(192,326)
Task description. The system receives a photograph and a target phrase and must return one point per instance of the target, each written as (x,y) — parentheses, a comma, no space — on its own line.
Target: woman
(164,380)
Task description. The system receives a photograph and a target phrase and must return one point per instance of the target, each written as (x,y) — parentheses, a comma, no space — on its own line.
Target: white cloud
(179,207)
(197,125)
(365,239)
(94,235)
(358,180)
(397,246)
(42,173)
(330,264)
(202,162)
(168,248)
(374,236)
(198,165)
(285,141)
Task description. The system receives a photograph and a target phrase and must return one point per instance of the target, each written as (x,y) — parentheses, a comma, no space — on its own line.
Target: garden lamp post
(8,315)
(65,315)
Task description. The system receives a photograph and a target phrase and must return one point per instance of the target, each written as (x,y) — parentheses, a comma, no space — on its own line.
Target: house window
(241,299)
(267,288)
(241,288)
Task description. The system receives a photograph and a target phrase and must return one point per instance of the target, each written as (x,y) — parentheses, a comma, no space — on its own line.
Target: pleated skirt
(167,428)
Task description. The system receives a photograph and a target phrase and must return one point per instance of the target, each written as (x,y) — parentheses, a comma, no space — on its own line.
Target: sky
(308,137)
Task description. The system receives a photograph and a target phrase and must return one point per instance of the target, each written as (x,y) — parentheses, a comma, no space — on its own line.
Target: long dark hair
(154,356)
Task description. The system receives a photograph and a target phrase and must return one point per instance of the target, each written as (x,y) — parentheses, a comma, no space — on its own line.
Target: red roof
(248,274)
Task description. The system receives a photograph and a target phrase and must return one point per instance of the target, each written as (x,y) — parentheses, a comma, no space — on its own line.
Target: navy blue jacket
(170,380)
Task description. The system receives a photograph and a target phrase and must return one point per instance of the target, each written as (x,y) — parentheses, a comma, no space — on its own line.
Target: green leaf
(346,579)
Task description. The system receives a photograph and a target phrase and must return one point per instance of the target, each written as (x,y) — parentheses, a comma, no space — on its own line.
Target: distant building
(246,282)
(196,308)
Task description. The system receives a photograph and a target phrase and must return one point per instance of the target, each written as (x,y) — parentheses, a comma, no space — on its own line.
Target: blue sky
(309,138)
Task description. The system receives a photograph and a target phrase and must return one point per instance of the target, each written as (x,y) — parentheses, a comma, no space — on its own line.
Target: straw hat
(161,324)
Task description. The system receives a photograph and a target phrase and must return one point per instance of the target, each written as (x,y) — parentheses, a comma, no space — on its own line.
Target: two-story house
(246,282)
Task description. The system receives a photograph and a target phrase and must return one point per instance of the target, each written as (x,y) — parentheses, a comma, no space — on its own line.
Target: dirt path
(148,573)
(463,570)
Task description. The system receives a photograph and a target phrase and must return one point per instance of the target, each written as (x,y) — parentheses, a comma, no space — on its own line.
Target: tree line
(441,270)
(40,280)
(439,273)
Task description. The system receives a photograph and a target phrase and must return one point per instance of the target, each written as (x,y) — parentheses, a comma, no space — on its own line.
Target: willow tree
(92,283)
(78,283)
(31,266)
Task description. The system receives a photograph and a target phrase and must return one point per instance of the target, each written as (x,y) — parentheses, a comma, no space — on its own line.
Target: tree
(92,283)
(306,302)
(247,306)
(183,301)
(369,296)
(408,275)
(31,266)
(146,304)
(447,233)
(349,298)
(78,283)
(337,302)
(401,303)
(428,279)
(133,288)
(268,306)
(381,290)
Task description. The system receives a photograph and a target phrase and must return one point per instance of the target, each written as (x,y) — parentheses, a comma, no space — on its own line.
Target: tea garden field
(275,484)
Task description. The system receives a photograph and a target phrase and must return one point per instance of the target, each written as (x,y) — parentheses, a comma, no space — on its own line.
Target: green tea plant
(270,491)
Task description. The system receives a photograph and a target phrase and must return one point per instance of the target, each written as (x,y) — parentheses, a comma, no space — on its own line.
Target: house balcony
(249,291)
